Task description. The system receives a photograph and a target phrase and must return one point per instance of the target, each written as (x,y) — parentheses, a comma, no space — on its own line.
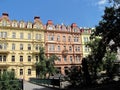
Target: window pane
(29,71)
(21,58)
(13,58)
(21,71)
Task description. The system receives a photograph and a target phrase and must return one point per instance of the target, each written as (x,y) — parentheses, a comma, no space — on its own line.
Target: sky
(85,13)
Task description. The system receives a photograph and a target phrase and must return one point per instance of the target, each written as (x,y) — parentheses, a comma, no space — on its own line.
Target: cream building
(86,32)
(19,45)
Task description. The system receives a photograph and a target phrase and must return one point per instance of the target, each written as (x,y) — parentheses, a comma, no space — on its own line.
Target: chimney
(74,25)
(49,22)
(37,19)
(5,14)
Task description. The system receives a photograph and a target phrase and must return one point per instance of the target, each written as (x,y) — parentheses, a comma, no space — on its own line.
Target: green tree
(45,65)
(50,65)
(41,69)
(8,81)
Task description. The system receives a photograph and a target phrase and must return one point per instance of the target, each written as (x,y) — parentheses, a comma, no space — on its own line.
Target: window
(21,46)
(38,36)
(65,58)
(1,46)
(29,71)
(29,58)
(0,58)
(51,47)
(4,58)
(77,58)
(21,71)
(21,58)
(50,37)
(70,48)
(59,58)
(70,58)
(13,58)
(69,39)
(37,47)
(85,39)
(86,49)
(58,38)
(29,36)
(4,23)
(4,46)
(13,35)
(78,48)
(3,34)
(29,47)
(13,46)
(36,58)
(21,35)
(64,38)
(58,48)
(64,47)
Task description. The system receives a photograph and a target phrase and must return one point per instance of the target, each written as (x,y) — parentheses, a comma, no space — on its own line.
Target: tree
(8,81)
(45,65)
(50,64)
(41,64)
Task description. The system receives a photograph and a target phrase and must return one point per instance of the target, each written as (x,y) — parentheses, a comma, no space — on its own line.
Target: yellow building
(19,45)
(86,32)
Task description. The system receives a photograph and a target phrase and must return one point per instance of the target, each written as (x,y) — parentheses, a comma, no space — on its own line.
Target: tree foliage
(8,81)
(45,65)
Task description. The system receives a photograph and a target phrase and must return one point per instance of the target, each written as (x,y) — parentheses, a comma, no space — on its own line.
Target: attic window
(4,23)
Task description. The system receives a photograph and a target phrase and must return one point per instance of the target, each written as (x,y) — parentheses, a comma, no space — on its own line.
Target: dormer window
(50,28)
(29,25)
(22,25)
(14,24)
(4,23)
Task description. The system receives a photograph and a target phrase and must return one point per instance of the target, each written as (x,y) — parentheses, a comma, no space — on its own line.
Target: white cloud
(102,2)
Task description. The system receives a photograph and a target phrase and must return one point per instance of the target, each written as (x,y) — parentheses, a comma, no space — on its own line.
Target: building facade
(85,35)
(19,45)
(66,43)
(20,42)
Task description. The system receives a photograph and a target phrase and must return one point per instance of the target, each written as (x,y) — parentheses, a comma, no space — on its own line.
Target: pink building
(65,42)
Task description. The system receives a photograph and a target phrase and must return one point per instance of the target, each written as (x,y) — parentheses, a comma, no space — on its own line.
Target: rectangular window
(0,58)
(59,58)
(21,71)
(58,38)
(64,38)
(4,58)
(13,46)
(37,47)
(29,58)
(85,39)
(65,58)
(58,48)
(21,46)
(13,35)
(13,58)
(36,58)
(21,58)
(38,37)
(21,35)
(29,71)
(70,48)
(70,58)
(29,36)
(69,39)
(29,47)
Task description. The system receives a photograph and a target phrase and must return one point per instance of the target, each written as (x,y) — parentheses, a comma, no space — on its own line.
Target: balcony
(3,63)
(4,51)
